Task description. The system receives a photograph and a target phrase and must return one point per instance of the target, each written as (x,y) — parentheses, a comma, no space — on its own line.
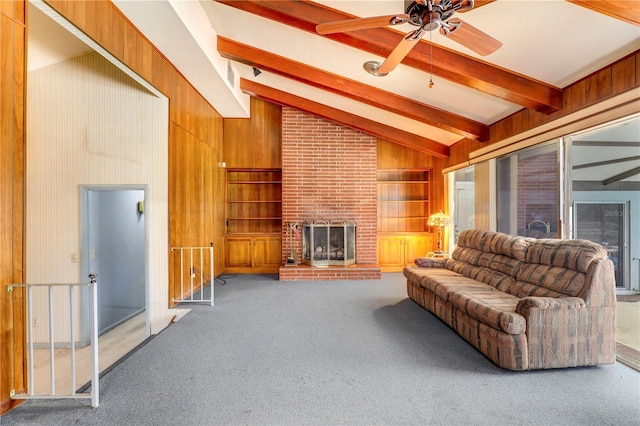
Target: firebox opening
(329,243)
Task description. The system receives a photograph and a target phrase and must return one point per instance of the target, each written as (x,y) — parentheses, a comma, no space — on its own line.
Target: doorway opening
(114,247)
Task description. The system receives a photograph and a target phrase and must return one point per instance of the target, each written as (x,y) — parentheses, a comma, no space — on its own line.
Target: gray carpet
(332,353)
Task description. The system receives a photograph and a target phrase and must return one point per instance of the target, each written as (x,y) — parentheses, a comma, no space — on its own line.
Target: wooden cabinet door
(391,252)
(238,252)
(252,254)
(267,252)
(417,246)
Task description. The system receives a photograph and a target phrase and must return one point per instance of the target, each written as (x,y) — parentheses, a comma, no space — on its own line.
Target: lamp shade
(439,219)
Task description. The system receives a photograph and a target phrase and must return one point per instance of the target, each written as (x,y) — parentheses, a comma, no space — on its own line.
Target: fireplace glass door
(328,243)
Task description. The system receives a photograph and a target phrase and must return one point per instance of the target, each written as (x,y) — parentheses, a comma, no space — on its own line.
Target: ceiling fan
(427,15)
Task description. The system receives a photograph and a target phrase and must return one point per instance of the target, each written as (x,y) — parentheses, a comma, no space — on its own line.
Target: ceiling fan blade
(361,23)
(401,50)
(471,37)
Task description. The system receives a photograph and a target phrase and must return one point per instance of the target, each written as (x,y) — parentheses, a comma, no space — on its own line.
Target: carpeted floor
(332,353)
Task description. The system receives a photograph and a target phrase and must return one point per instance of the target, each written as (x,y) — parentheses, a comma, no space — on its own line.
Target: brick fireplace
(329,174)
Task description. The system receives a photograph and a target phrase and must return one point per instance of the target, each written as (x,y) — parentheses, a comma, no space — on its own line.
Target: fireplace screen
(329,243)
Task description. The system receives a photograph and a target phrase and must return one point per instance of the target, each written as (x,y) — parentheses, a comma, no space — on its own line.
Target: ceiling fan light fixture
(372,68)
(427,15)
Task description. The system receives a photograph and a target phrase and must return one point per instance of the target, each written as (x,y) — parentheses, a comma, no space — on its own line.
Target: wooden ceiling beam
(352,89)
(445,63)
(371,127)
(627,11)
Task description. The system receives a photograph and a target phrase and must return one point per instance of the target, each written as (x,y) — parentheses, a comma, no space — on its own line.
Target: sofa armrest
(430,262)
(568,332)
(548,303)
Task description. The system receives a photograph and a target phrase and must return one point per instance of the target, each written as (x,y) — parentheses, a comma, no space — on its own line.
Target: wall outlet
(75,258)
(35,321)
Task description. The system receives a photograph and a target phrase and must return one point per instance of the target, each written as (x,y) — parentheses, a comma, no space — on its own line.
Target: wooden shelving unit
(254,201)
(403,200)
(253,220)
(403,210)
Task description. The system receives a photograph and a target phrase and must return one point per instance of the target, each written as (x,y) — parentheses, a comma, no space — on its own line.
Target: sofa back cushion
(472,238)
(507,245)
(545,267)
(488,276)
(558,267)
(504,264)
(552,281)
(576,255)
(492,250)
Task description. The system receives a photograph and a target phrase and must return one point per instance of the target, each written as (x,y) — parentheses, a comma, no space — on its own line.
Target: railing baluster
(191,271)
(30,337)
(181,274)
(201,275)
(72,326)
(95,368)
(212,278)
(52,355)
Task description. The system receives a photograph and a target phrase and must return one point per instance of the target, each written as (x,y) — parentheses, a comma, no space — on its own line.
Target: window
(463,200)
(528,192)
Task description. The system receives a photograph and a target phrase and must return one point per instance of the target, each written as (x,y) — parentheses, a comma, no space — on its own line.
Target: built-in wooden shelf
(403,200)
(253,220)
(254,201)
(403,210)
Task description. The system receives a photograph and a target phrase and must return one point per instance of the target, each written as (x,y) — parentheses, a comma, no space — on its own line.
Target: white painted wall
(90,124)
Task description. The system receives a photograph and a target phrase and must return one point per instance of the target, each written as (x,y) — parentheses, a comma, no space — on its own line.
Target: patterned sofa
(524,303)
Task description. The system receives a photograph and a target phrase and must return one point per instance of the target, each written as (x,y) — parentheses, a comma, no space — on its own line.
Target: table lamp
(439,220)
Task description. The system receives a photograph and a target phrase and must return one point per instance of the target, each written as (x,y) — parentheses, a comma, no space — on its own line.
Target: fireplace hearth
(328,243)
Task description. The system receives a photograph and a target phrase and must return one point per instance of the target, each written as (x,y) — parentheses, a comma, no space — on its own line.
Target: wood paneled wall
(612,80)
(254,142)
(12,100)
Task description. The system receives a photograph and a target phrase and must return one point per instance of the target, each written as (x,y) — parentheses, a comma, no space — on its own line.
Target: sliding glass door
(528,192)
(605,193)
(606,224)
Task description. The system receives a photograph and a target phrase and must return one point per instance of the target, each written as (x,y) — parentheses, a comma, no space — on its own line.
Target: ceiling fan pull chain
(430,60)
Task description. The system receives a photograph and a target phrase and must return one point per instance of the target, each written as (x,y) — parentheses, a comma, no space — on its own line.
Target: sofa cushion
(489,306)
(497,251)
(430,262)
(486,275)
(466,254)
(504,264)
(507,245)
(430,278)
(551,281)
(443,287)
(572,254)
(473,238)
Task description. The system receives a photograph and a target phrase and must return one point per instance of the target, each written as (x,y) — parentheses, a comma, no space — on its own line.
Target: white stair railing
(93,320)
(193,264)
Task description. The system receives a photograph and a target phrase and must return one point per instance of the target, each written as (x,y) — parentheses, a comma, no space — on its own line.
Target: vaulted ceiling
(271,50)
(231,49)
